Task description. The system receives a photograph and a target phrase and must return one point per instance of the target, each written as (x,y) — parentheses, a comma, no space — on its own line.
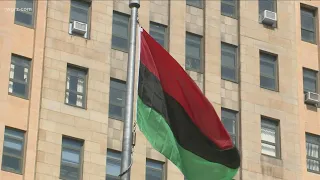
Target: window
(76,86)
(313,153)
(193,52)
(229,120)
(229,8)
(159,33)
(24,13)
(120,31)
(113,165)
(270,140)
(195,3)
(117,99)
(79,12)
(13,150)
(310,83)
(267,5)
(19,76)
(71,159)
(154,170)
(308,27)
(229,62)
(268,71)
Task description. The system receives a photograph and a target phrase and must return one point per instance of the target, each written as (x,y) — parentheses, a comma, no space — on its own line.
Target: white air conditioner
(268,18)
(312,98)
(79,27)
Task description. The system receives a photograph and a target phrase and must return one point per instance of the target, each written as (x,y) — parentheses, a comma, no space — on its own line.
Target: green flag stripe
(160,136)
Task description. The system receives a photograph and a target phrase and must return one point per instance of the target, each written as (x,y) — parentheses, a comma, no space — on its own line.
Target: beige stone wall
(21,113)
(51,47)
(58,119)
(256,101)
(308,57)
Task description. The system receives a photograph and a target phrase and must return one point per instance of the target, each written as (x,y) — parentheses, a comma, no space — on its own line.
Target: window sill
(271,159)
(84,108)
(199,7)
(24,25)
(269,89)
(11,171)
(230,16)
(314,172)
(119,49)
(230,80)
(269,26)
(116,118)
(18,96)
(194,70)
(309,42)
(76,35)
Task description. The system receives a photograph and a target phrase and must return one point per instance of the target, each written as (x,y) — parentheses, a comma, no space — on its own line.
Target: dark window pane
(120,25)
(19,73)
(78,14)
(228,73)
(12,146)
(154,170)
(266,5)
(119,43)
(73,81)
(10,163)
(307,36)
(13,150)
(192,63)
(196,3)
(68,172)
(23,18)
(227,9)
(71,156)
(307,22)
(19,89)
(71,159)
(268,83)
(228,59)
(116,111)
(267,69)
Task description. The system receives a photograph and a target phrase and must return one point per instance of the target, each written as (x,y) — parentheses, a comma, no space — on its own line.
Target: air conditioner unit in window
(268,18)
(312,98)
(79,27)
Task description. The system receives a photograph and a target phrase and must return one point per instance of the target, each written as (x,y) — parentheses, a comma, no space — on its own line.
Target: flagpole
(127,128)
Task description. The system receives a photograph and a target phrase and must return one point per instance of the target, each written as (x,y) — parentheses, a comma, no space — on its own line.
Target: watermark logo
(18,9)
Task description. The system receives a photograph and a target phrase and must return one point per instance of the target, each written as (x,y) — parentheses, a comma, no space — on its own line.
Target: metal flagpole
(127,129)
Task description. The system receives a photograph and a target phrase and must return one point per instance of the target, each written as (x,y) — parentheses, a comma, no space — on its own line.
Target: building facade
(63,83)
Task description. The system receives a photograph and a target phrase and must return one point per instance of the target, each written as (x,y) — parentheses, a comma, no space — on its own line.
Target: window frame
(115,159)
(22,61)
(81,154)
(200,5)
(75,68)
(128,27)
(26,12)
(22,158)
(201,66)
(307,134)
(158,162)
(114,104)
(314,11)
(89,11)
(165,33)
(274,124)
(276,70)
(235,53)
(236,122)
(235,5)
(316,79)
